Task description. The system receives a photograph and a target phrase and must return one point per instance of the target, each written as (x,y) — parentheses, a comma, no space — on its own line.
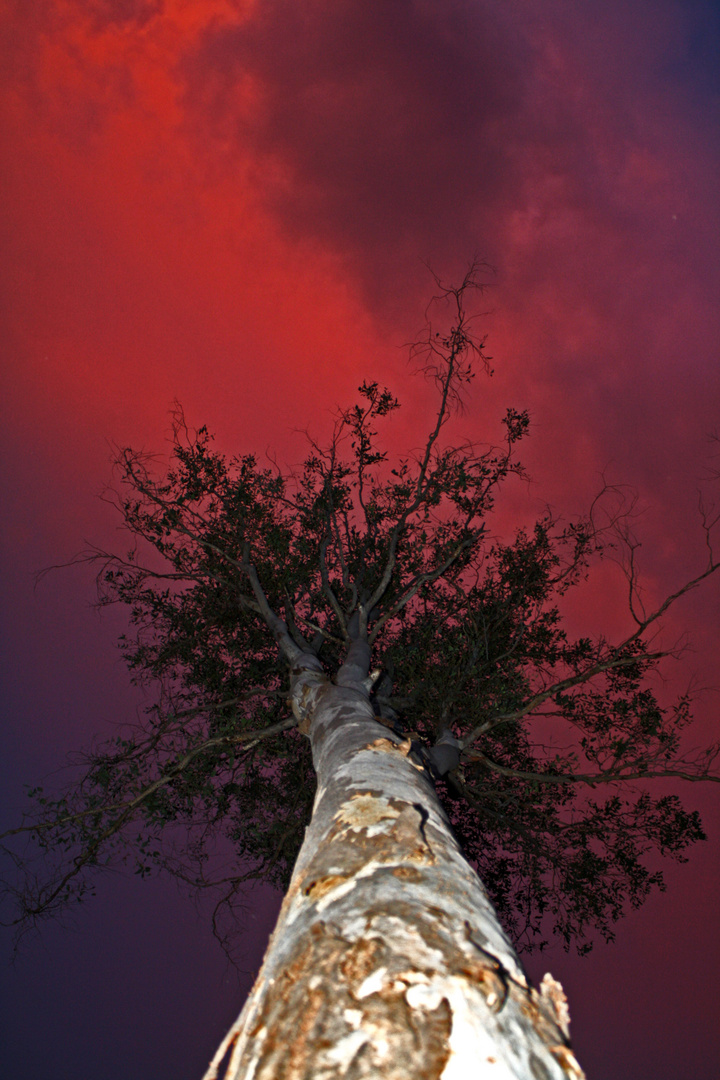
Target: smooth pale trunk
(387,960)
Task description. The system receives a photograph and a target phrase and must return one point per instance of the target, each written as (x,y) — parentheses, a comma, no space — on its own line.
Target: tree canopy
(539,741)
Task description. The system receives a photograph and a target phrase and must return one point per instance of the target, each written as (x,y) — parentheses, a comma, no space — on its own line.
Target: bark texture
(387,959)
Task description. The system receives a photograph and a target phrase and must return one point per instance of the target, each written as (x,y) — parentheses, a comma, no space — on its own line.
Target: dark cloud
(418,131)
(122,13)
(21,28)
(378,127)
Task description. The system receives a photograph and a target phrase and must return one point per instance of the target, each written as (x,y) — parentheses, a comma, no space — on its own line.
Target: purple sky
(231,204)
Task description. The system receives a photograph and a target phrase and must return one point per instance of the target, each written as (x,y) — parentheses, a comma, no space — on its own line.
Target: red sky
(231,204)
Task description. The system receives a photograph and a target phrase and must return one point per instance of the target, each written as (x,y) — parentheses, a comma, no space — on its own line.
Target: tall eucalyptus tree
(367,698)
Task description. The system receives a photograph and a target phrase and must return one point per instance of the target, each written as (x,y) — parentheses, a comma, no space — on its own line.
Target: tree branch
(605,776)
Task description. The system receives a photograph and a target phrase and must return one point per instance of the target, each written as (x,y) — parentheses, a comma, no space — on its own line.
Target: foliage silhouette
(537,740)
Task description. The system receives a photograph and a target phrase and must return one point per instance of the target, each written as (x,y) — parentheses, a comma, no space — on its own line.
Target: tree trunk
(387,960)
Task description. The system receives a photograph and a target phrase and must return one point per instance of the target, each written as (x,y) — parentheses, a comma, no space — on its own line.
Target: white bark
(387,959)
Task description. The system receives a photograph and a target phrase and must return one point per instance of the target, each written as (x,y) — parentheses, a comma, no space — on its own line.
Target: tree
(348,652)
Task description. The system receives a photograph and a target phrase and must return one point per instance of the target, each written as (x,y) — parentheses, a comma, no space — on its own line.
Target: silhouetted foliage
(554,733)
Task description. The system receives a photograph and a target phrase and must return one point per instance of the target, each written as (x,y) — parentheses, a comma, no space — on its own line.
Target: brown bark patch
(490,980)
(312,1025)
(364,809)
(360,959)
(384,829)
(320,887)
(568,1061)
(389,746)
(550,1023)
(368,830)
(407,873)
(404,1042)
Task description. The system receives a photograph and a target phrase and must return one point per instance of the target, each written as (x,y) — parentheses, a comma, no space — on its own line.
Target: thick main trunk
(387,960)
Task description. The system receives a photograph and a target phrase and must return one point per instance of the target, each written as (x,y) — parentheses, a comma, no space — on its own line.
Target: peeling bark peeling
(387,959)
